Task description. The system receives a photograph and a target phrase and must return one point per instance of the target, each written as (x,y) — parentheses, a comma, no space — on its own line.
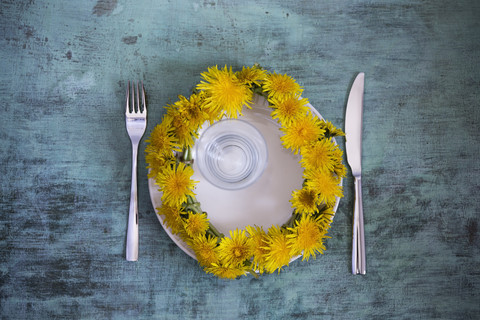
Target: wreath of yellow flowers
(223,93)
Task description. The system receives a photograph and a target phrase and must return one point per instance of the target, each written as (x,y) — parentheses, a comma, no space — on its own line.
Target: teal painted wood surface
(65,155)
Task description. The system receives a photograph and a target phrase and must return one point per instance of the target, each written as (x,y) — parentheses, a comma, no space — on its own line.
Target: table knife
(353,133)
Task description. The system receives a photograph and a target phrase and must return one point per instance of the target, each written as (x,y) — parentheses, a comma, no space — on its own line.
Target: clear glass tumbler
(231,154)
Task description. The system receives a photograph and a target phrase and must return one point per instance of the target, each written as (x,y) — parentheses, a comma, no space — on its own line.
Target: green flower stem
(191,200)
(192,205)
(253,273)
(214,232)
(249,264)
(259,90)
(187,154)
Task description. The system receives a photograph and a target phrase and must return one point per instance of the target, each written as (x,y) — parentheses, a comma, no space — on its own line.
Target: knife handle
(358,247)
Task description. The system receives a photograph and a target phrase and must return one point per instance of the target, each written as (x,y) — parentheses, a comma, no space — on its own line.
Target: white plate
(264,203)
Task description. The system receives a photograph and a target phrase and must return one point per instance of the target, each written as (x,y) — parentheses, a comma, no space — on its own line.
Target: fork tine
(143,100)
(133,97)
(135,104)
(138,100)
(128,98)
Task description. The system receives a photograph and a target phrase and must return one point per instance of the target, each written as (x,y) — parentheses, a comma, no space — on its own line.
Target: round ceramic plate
(265,202)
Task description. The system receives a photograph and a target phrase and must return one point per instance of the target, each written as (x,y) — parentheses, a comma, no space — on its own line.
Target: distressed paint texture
(65,155)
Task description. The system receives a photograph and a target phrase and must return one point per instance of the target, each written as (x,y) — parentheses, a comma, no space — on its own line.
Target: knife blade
(353,144)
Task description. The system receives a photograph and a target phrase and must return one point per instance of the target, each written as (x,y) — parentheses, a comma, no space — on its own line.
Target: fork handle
(132,229)
(358,247)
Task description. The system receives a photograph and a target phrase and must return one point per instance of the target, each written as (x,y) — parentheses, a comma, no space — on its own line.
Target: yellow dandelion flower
(278,86)
(191,111)
(301,132)
(172,218)
(156,162)
(340,170)
(325,218)
(337,154)
(162,140)
(257,238)
(330,129)
(325,183)
(224,91)
(195,224)
(278,250)
(305,200)
(205,248)
(307,237)
(184,131)
(236,249)
(288,109)
(338,167)
(226,271)
(175,183)
(251,75)
(319,155)
(211,115)
(160,147)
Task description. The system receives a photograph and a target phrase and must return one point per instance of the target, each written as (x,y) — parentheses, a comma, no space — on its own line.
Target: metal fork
(136,122)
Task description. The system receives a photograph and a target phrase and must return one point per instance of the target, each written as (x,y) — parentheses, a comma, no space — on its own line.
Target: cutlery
(136,122)
(353,132)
